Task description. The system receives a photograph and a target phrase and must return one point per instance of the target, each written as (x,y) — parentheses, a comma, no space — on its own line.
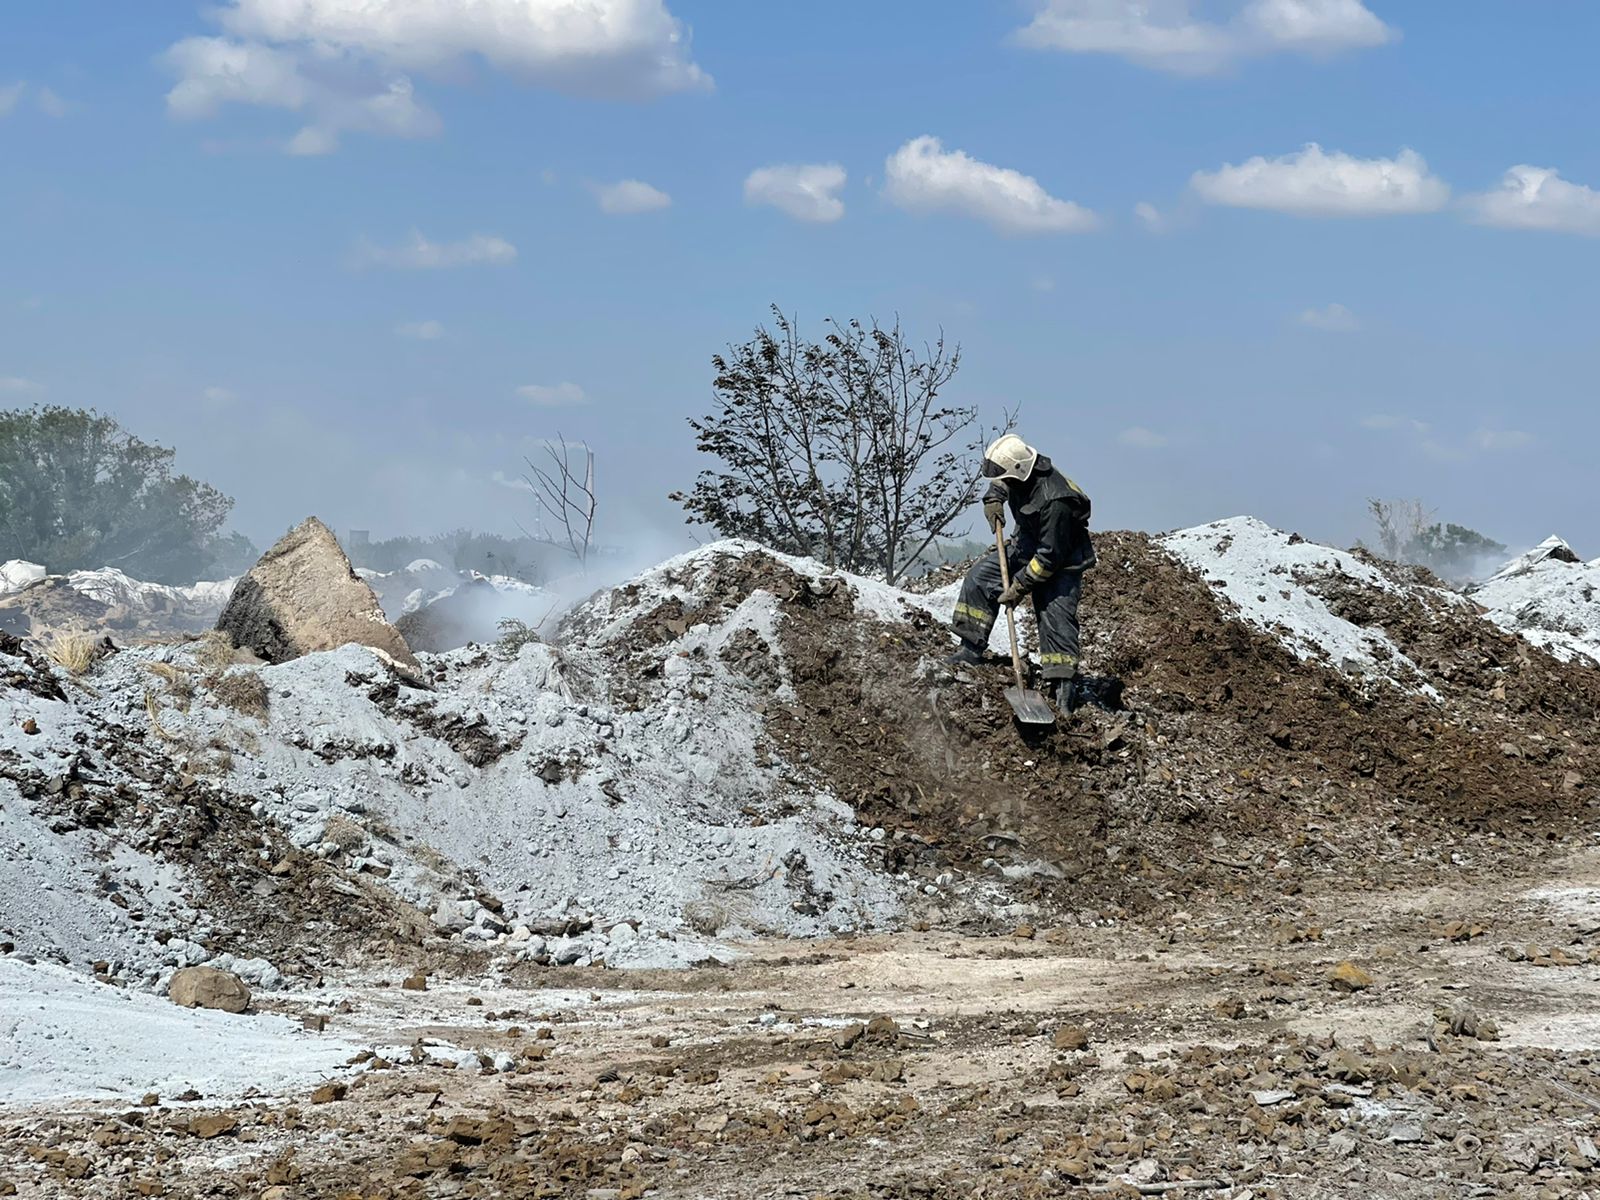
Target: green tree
(1408,533)
(77,491)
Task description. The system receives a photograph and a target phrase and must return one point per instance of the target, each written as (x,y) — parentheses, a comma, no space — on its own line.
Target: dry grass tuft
(214,651)
(74,651)
(152,708)
(180,683)
(241,691)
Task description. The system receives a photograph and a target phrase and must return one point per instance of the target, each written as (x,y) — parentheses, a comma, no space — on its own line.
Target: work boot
(968,656)
(1071,694)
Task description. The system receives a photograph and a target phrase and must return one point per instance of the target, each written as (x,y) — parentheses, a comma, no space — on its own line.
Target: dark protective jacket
(1052,522)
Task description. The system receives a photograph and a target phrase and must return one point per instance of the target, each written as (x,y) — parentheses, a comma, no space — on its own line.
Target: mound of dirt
(1236,754)
(741,744)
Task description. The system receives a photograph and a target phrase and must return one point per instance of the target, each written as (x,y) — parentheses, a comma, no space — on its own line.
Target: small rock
(415,983)
(714,1122)
(1405,1132)
(1071,1037)
(1347,977)
(30,726)
(207,987)
(213,1125)
(329,1092)
(849,1035)
(1266,1099)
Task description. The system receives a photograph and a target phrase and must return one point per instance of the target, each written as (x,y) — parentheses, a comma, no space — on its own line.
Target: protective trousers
(1056,601)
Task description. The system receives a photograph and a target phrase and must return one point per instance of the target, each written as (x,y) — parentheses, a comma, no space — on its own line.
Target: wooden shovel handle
(1011,620)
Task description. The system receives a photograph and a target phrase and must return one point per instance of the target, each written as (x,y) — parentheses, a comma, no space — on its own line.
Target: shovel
(1030,706)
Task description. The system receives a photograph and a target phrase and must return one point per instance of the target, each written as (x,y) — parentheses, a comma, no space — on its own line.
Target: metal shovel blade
(1030,706)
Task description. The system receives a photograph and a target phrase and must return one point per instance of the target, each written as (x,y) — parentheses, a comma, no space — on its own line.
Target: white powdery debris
(1548,599)
(65,1037)
(872,597)
(628,819)
(56,888)
(16,574)
(115,589)
(423,582)
(1272,580)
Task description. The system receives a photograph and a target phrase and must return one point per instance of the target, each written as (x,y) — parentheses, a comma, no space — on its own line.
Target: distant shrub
(514,635)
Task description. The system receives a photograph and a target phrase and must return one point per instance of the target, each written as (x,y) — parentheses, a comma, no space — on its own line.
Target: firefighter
(1046,559)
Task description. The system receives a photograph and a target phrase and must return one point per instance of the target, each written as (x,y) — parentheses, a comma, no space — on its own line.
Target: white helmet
(1009,457)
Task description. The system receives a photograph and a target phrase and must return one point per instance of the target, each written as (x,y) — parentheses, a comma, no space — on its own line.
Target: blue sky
(356,259)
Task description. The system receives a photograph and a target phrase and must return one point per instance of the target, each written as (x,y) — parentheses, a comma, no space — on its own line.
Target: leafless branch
(565,493)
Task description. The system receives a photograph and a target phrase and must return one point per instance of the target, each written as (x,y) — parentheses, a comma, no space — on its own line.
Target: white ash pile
(609,801)
(37,605)
(1551,597)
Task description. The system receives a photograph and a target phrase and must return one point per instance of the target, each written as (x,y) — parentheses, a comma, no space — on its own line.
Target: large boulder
(303,596)
(207,987)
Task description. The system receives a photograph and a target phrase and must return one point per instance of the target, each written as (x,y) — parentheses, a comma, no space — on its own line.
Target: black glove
(994,512)
(1015,594)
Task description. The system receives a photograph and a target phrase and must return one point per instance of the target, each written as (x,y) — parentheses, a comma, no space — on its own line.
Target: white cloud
(923,177)
(10,94)
(1150,217)
(559,395)
(15,385)
(1538,198)
(804,191)
(357,54)
(1141,438)
(220,396)
(1330,318)
(1449,446)
(628,196)
(422,331)
(417,253)
(1314,183)
(334,98)
(515,483)
(50,104)
(346,64)
(1167,35)
(1394,422)
(1501,439)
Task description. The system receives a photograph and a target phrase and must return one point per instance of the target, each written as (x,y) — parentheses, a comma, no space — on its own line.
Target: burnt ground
(1289,935)
(1209,1054)
(1233,760)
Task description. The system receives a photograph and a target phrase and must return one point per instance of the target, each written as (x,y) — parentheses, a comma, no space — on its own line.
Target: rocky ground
(1312,909)
(1414,1037)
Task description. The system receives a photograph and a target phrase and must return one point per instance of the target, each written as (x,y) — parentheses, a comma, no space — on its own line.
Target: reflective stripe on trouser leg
(979,605)
(1056,602)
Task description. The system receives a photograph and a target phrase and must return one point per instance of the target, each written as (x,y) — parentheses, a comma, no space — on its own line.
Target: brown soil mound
(1234,762)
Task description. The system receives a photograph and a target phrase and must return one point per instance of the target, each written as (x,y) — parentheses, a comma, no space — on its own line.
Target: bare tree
(1408,533)
(842,450)
(565,493)
(1400,523)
